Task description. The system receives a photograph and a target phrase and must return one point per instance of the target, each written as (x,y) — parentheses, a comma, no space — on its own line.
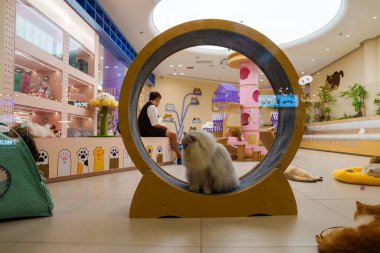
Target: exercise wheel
(264,190)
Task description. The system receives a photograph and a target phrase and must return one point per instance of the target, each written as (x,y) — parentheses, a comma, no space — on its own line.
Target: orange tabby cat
(363,239)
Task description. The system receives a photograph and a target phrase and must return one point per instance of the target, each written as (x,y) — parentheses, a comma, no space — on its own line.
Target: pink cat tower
(249,99)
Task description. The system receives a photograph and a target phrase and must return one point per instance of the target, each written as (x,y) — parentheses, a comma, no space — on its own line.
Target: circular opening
(238,38)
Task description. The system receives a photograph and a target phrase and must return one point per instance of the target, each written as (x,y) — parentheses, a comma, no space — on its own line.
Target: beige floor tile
(104,207)
(16,230)
(293,231)
(119,230)
(4,246)
(345,207)
(86,248)
(261,250)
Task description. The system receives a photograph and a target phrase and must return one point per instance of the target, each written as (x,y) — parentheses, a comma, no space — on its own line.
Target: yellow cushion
(355,177)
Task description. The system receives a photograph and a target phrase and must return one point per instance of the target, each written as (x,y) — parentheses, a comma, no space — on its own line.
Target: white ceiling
(308,55)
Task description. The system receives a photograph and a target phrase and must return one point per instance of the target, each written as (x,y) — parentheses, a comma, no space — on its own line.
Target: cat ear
(358,205)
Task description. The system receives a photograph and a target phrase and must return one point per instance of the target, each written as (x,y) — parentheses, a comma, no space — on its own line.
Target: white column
(7,52)
(371,76)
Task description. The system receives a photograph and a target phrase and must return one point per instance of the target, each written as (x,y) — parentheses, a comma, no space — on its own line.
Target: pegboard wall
(7,54)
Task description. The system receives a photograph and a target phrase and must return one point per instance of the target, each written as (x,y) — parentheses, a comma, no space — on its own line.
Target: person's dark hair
(153,95)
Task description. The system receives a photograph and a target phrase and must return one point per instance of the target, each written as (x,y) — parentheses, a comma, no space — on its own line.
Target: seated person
(149,125)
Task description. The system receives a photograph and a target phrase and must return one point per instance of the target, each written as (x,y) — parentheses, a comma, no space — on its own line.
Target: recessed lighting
(318,73)
(115,67)
(101,57)
(171,65)
(302,73)
(118,75)
(174,73)
(179,65)
(327,49)
(182,73)
(313,59)
(347,36)
(106,67)
(374,17)
(261,73)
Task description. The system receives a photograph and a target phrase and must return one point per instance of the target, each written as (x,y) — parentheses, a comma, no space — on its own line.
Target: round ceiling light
(281,21)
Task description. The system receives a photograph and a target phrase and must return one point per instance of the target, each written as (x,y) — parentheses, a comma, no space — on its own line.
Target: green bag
(23,192)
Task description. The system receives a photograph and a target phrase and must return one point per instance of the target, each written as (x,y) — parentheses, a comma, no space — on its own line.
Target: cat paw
(207,191)
(194,189)
(320,179)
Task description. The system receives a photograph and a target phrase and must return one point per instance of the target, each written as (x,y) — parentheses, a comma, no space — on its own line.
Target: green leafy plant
(326,100)
(377,102)
(357,93)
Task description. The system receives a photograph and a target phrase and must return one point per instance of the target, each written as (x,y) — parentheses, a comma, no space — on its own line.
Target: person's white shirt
(153,115)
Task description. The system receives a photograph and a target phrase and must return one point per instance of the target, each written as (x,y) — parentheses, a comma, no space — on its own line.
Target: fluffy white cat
(208,164)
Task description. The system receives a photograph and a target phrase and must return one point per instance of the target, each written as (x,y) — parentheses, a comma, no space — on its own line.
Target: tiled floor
(91,215)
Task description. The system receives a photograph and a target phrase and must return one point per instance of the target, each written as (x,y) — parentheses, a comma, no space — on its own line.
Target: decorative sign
(7,142)
(278,101)
(81,104)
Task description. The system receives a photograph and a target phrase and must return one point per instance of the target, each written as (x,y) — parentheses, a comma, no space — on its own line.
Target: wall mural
(82,155)
(159,154)
(114,158)
(98,159)
(64,163)
(43,162)
(127,161)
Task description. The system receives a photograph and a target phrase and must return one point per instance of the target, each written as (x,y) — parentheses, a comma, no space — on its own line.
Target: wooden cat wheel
(265,189)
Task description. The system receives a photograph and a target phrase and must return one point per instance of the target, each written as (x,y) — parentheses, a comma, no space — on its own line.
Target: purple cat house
(226,93)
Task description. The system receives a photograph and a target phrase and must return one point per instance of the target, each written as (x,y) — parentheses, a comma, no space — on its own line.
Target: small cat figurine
(295,173)
(197,91)
(208,164)
(168,116)
(362,239)
(194,101)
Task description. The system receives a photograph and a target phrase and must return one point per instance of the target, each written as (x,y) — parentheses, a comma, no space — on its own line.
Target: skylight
(282,21)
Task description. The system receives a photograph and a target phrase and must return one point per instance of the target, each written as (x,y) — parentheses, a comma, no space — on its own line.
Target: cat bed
(23,192)
(355,176)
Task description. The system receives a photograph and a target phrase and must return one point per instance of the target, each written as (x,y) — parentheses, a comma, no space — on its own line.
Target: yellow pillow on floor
(355,176)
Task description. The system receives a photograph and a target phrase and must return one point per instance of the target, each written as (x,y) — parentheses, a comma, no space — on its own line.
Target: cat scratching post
(264,190)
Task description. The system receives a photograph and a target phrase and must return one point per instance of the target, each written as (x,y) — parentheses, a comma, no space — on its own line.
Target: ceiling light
(106,67)
(261,80)
(285,15)
(313,59)
(302,73)
(179,65)
(171,65)
(327,49)
(182,73)
(115,67)
(261,73)
(101,57)
(174,73)
(318,73)
(374,17)
(347,36)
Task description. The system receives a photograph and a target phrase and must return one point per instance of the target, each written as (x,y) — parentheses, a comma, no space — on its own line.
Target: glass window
(37,78)
(81,58)
(79,126)
(80,93)
(38,30)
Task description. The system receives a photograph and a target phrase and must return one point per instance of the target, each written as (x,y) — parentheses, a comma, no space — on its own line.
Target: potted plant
(326,100)
(377,103)
(357,93)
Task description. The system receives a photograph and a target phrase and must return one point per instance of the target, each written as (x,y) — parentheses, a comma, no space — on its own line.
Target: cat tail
(341,73)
